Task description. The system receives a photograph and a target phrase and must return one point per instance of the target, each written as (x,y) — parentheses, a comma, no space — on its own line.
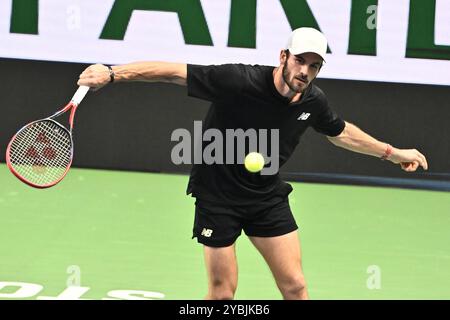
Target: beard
(290,80)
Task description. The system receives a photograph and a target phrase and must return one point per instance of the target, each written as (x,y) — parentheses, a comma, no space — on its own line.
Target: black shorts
(218,225)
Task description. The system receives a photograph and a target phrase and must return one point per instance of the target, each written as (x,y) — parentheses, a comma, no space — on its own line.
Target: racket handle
(79,95)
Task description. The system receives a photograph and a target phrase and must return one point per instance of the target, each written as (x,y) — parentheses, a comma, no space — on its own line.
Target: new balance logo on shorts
(304,116)
(206,232)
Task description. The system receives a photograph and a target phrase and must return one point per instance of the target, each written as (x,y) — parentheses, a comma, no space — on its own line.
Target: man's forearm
(98,75)
(354,139)
(151,72)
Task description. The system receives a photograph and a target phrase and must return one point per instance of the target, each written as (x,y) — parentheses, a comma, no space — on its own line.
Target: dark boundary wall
(128,126)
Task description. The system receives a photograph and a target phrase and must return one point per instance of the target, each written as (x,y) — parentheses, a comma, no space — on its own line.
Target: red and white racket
(40,154)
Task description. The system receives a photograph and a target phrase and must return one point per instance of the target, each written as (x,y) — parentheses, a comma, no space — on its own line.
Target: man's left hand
(409,159)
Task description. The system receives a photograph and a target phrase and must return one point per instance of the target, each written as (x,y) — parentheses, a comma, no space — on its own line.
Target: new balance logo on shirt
(304,116)
(207,232)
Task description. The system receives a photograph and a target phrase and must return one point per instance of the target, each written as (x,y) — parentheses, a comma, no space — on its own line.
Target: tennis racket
(40,154)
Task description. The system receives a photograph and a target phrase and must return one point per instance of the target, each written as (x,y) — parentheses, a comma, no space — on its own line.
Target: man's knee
(222,290)
(293,286)
(221,295)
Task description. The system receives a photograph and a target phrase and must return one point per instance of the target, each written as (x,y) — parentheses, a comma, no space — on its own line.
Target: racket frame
(8,157)
(72,106)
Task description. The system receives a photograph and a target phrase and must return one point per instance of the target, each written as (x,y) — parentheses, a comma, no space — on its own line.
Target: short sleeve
(328,122)
(214,82)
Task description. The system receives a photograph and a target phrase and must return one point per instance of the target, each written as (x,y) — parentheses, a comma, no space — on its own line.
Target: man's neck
(283,88)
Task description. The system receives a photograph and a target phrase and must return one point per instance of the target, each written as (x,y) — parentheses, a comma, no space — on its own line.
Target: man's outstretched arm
(354,139)
(98,75)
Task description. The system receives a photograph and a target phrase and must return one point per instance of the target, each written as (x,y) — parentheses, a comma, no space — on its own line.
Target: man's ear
(283,56)
(320,68)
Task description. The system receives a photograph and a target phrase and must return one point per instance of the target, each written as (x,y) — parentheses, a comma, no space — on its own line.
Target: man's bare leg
(221,266)
(283,255)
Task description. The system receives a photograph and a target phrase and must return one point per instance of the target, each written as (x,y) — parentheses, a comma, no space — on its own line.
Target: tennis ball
(254,162)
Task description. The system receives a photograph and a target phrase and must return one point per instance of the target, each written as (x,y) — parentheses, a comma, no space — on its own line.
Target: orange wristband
(387,153)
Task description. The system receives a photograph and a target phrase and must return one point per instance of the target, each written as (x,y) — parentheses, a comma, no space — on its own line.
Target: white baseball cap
(305,39)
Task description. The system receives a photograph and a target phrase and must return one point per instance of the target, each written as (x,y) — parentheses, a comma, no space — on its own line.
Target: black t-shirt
(245,96)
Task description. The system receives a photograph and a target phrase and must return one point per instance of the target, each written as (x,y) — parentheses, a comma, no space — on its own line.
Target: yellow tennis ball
(254,162)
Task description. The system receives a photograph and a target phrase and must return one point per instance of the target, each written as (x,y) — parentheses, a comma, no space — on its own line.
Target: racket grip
(80,94)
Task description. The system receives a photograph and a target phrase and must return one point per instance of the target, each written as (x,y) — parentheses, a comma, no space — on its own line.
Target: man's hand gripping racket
(40,154)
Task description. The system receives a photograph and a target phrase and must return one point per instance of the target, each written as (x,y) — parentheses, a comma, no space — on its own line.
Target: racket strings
(41,152)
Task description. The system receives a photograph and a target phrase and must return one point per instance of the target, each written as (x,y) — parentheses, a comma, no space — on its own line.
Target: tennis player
(230,199)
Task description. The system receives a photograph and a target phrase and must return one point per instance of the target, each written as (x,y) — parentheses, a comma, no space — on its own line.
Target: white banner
(83,31)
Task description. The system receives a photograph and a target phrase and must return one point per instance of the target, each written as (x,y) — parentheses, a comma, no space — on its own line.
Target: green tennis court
(132,231)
